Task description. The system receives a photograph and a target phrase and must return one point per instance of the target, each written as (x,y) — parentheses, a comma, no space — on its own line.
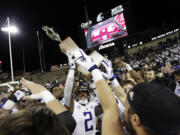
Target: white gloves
(89,64)
(109,75)
(86,61)
(71,60)
(108,66)
(10,103)
(46,96)
(19,94)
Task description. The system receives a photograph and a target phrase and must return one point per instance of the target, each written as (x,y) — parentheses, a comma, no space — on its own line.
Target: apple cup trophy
(68,45)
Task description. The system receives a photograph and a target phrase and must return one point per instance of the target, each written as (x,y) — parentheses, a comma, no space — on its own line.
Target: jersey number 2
(87,120)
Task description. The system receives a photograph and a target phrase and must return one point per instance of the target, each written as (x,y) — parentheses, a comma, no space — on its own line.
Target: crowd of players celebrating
(140,101)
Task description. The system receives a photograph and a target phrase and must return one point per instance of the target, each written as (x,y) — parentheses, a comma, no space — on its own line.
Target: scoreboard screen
(105,31)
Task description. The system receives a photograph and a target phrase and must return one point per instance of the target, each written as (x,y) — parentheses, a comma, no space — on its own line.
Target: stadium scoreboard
(109,28)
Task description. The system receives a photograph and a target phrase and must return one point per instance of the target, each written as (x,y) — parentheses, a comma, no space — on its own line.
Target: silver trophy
(68,45)
(51,33)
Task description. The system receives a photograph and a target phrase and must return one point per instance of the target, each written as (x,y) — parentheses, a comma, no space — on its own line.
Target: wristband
(92,68)
(114,83)
(37,96)
(97,75)
(128,67)
(46,96)
(114,77)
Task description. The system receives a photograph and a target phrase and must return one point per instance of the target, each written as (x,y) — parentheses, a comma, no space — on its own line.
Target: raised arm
(114,82)
(111,123)
(69,102)
(133,73)
(40,92)
(135,76)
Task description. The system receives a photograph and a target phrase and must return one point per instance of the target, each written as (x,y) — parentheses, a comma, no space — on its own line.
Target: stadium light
(11,29)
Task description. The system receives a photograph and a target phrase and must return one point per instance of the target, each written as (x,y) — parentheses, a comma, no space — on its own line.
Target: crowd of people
(138,97)
(156,57)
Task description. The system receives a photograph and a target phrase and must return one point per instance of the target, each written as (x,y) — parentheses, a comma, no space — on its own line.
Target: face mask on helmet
(83,96)
(83,101)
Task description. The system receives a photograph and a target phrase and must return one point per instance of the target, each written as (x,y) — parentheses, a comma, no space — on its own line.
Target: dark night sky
(65,16)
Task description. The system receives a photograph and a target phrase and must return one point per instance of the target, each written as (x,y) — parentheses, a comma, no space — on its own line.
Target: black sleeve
(13,98)
(98,110)
(68,121)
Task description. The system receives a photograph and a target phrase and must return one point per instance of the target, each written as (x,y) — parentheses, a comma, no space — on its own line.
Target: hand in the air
(86,61)
(38,91)
(109,71)
(33,87)
(71,60)
(120,63)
